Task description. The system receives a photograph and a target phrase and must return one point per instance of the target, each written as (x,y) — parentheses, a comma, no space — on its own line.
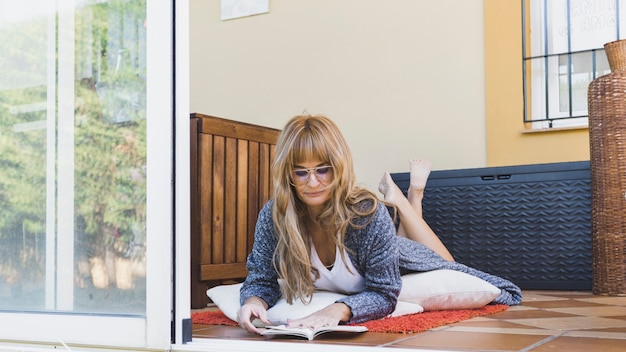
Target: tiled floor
(546,321)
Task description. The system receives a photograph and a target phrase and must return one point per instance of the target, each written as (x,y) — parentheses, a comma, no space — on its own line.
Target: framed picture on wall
(232,9)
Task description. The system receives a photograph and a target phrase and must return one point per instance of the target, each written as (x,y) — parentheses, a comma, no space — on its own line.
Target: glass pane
(564,80)
(593,23)
(582,73)
(554,83)
(548,27)
(537,31)
(557,26)
(92,168)
(536,91)
(590,25)
(622,15)
(110,157)
(23,155)
(602,64)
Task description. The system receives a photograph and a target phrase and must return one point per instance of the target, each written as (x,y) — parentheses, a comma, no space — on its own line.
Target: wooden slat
(230,201)
(242,201)
(253,193)
(272,156)
(205,183)
(264,174)
(198,299)
(223,271)
(217,250)
(234,129)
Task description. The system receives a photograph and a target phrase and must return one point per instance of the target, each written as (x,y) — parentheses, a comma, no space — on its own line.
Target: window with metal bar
(562,49)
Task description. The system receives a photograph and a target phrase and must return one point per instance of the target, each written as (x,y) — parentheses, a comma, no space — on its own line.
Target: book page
(308,333)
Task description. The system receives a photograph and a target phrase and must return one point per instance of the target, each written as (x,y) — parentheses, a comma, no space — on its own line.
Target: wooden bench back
(230,181)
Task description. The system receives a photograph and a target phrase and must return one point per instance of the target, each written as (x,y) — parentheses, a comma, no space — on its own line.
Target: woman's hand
(332,315)
(253,308)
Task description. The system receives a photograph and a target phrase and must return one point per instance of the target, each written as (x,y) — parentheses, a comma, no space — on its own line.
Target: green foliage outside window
(109,139)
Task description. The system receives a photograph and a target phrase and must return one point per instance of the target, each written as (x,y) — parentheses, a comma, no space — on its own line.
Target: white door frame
(58,330)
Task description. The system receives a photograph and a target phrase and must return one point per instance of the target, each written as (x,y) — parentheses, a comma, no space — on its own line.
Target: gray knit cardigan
(378,254)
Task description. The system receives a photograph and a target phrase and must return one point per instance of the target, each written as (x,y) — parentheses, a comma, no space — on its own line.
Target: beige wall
(402,78)
(507,144)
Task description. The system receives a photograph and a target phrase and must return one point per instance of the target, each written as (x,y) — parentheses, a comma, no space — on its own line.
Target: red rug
(403,325)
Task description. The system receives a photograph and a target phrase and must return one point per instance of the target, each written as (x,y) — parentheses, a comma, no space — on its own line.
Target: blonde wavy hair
(304,138)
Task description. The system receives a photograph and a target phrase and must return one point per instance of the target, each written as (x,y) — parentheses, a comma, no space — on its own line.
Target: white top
(338,278)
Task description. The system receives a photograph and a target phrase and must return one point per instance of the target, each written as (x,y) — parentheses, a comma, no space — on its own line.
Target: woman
(322,231)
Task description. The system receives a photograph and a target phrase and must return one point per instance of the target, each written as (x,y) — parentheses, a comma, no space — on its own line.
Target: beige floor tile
(530,314)
(522,307)
(563,303)
(567,294)
(225,332)
(578,344)
(572,323)
(534,297)
(515,329)
(600,311)
(614,300)
(465,341)
(366,339)
(613,333)
(490,323)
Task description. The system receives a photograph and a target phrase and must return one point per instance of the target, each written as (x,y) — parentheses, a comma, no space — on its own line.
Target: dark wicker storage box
(530,224)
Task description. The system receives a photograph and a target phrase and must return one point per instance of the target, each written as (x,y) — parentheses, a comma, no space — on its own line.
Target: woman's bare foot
(420,169)
(389,189)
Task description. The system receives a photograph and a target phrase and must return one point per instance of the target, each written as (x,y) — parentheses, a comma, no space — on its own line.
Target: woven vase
(607,134)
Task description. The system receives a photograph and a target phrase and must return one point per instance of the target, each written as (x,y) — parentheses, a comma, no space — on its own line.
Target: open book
(308,333)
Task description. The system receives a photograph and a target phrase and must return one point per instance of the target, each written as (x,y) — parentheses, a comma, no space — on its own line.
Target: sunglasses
(302,176)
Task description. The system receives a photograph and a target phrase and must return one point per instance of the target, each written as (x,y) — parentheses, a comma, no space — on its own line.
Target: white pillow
(433,290)
(446,289)
(404,308)
(282,311)
(226,297)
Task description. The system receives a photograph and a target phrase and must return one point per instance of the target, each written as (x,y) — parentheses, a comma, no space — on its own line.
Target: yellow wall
(506,142)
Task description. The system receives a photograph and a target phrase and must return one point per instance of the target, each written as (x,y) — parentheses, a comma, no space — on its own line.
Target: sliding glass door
(86,171)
